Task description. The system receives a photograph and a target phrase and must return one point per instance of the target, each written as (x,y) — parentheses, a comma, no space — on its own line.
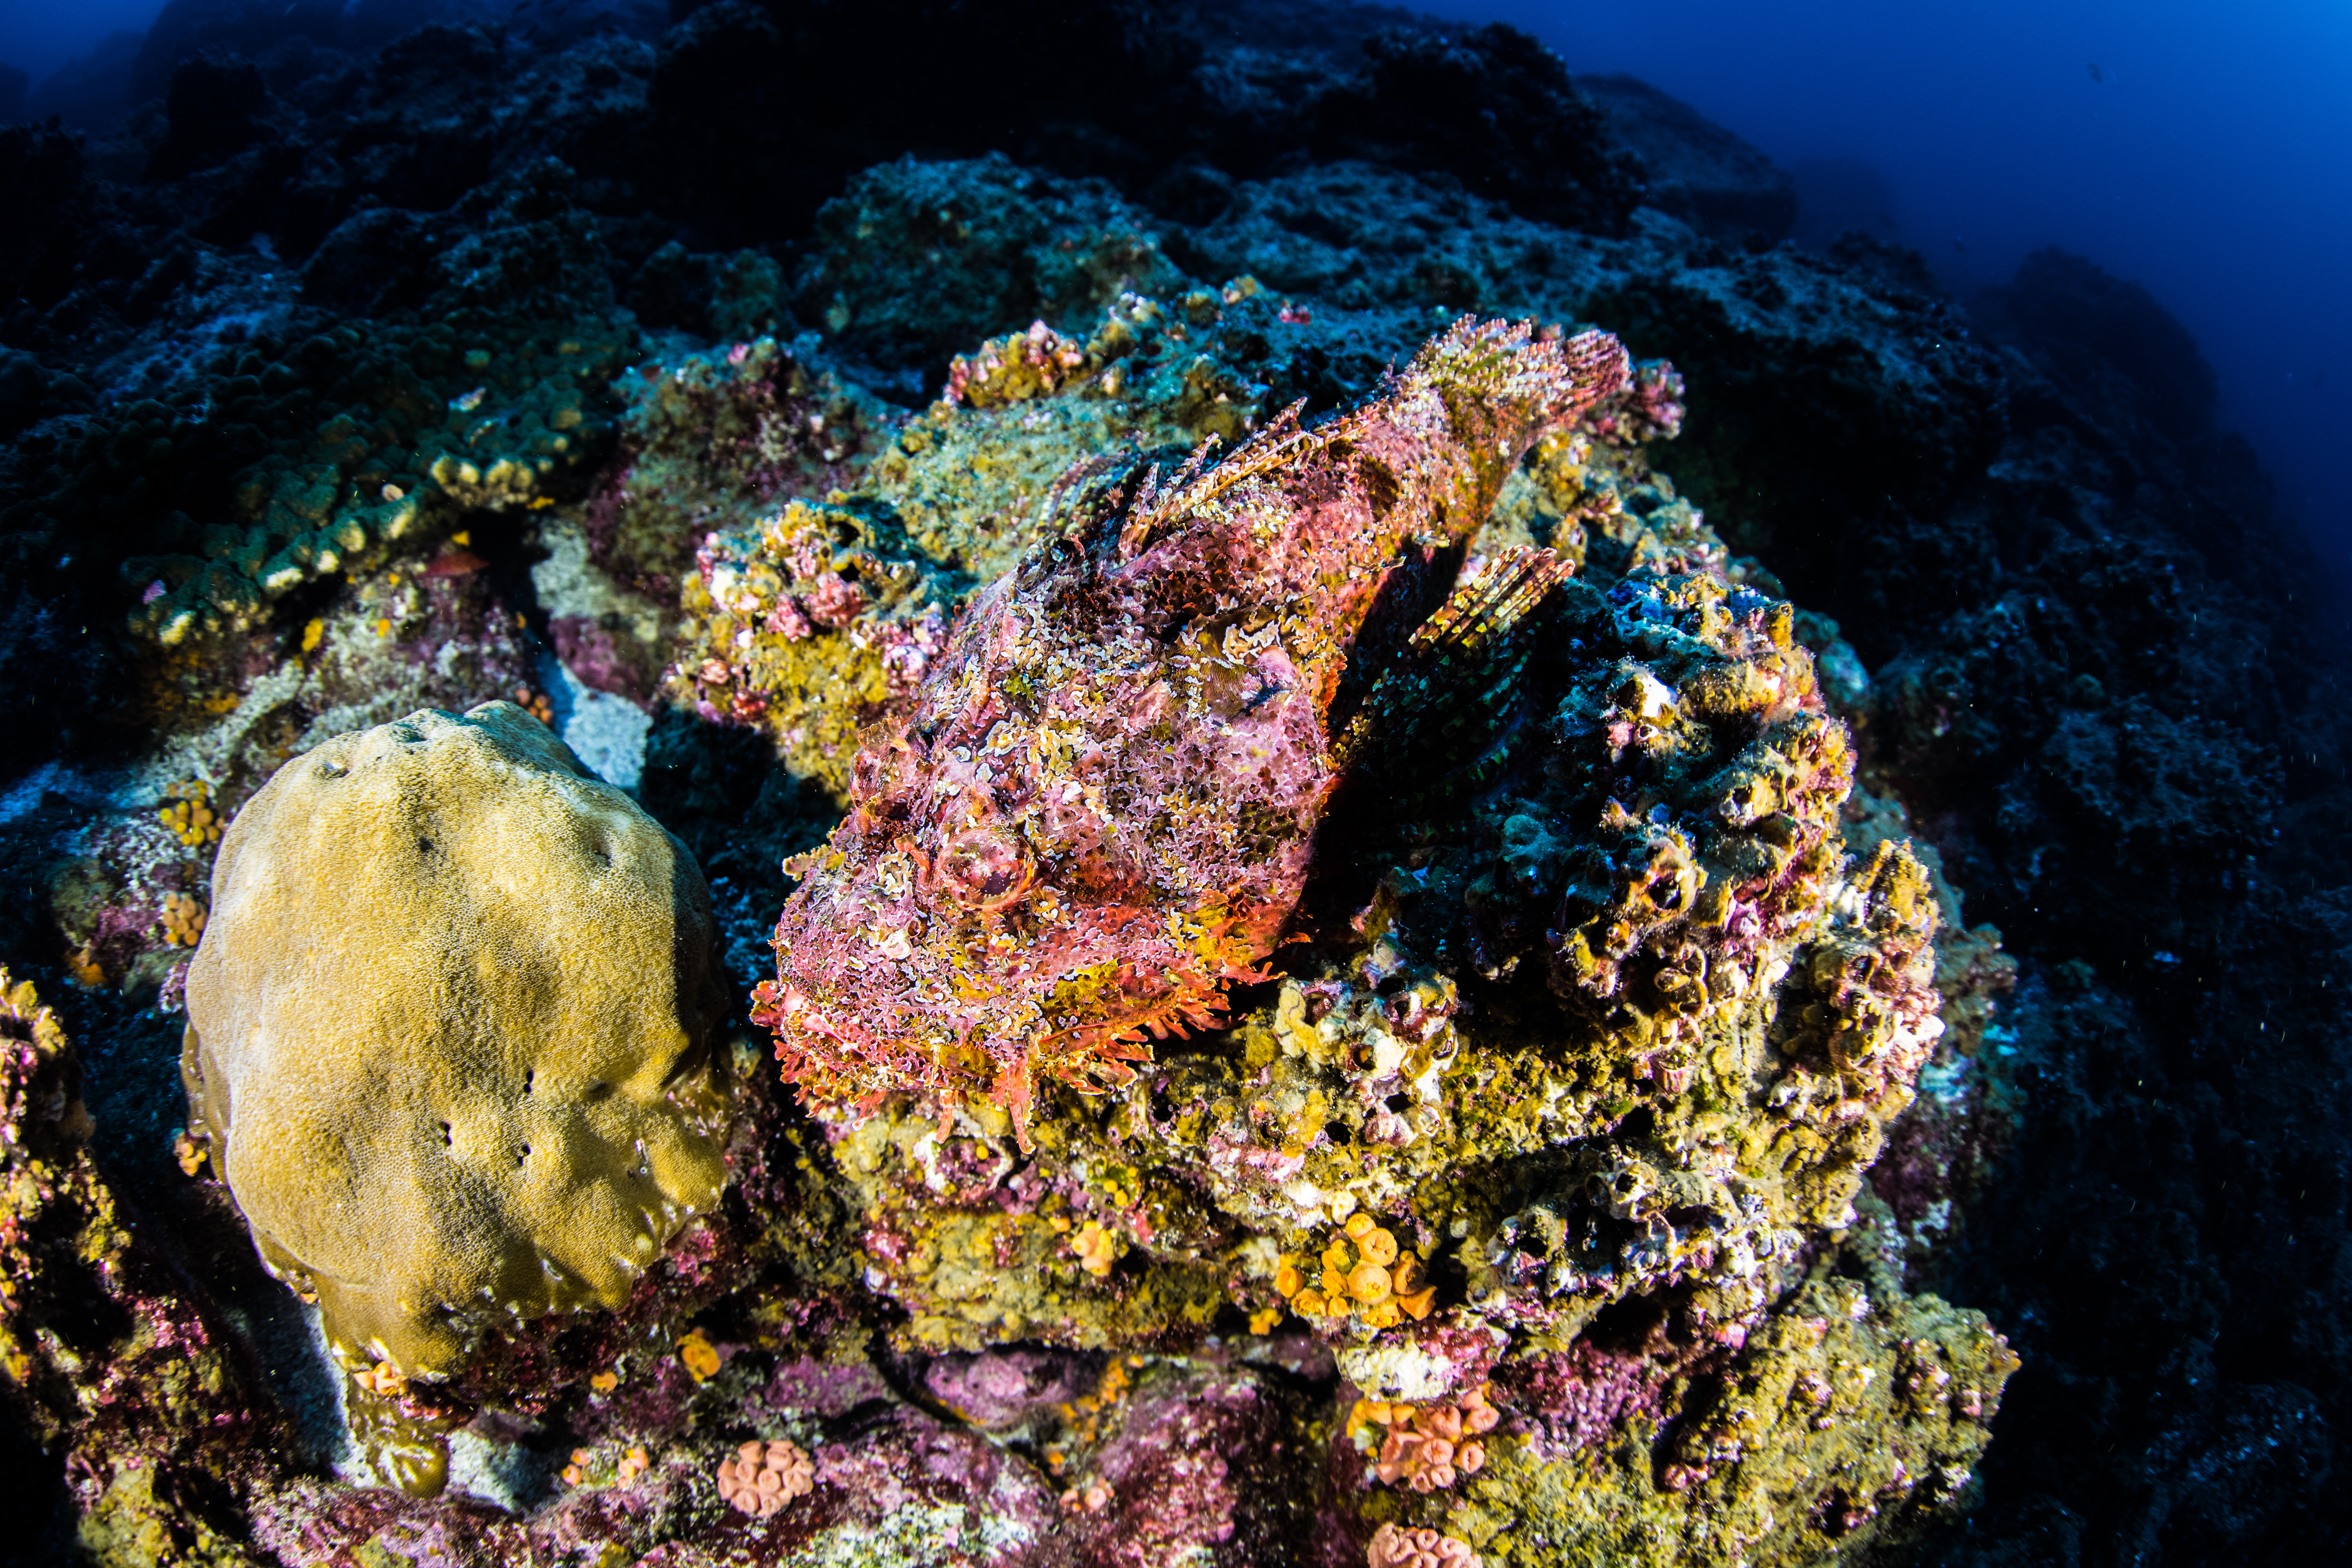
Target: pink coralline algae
(763,1476)
(1098,807)
(1015,366)
(1004,1389)
(814,617)
(1185,1468)
(1567,1399)
(1394,1548)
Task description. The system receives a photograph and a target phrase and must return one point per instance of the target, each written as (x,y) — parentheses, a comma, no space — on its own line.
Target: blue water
(36,36)
(2209,159)
(2201,150)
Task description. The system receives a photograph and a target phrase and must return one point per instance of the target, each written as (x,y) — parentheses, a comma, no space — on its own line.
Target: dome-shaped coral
(447,1035)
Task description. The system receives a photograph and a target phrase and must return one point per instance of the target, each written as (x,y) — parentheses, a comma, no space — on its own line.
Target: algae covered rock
(449,1035)
(1592,1021)
(106,1359)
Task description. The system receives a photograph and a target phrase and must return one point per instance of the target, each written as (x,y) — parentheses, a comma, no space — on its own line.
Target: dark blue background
(36,36)
(2212,164)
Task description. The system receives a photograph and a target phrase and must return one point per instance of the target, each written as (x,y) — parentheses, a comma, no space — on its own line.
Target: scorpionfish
(1099,810)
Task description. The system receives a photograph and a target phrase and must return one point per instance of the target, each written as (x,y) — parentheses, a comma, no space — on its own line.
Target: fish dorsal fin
(1457,675)
(1490,603)
(1280,443)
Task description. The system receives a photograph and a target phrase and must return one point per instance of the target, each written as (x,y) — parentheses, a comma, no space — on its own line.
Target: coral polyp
(762,1478)
(1097,810)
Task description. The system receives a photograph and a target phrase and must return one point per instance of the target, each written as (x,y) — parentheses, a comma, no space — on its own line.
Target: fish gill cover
(1225,638)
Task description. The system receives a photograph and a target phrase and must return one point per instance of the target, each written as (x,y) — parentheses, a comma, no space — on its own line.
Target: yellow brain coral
(448,1035)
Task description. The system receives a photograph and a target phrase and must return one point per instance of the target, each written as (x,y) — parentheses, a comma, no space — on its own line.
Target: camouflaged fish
(1099,810)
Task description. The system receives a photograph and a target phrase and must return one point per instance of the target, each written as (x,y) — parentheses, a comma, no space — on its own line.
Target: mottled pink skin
(1648,408)
(1098,807)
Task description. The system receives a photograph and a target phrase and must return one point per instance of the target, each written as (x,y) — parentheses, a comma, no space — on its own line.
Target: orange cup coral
(763,1476)
(1394,1548)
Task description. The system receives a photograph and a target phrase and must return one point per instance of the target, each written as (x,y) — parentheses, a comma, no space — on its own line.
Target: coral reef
(1357,1096)
(708,439)
(813,624)
(102,1354)
(1837,1419)
(448,1044)
(1694,168)
(1493,106)
(1359,1168)
(1625,1076)
(997,242)
(1107,897)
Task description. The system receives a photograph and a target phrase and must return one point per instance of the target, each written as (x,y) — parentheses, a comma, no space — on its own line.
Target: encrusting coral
(448,1040)
(830,613)
(1514,1196)
(1099,808)
(102,1357)
(1567,1085)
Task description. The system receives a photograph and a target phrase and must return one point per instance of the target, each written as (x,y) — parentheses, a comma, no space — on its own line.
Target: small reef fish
(1099,808)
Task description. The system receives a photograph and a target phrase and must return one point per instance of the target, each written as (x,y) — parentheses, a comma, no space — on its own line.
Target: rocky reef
(1361,889)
